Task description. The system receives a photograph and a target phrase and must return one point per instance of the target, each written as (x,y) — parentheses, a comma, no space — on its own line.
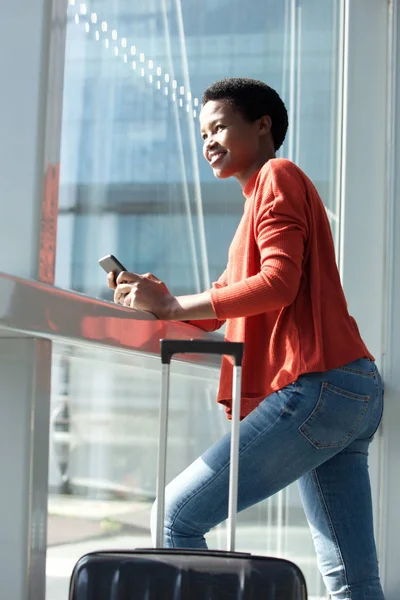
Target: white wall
(369,244)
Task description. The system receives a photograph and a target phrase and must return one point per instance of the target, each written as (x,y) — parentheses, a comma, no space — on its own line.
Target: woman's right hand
(112,283)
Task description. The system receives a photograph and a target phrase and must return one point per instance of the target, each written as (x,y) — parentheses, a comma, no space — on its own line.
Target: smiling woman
(239,139)
(222,127)
(281,280)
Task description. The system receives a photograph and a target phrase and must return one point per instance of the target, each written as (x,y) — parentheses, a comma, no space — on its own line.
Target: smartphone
(110,263)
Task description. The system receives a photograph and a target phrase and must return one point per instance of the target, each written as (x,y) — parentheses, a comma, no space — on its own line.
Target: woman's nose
(209,143)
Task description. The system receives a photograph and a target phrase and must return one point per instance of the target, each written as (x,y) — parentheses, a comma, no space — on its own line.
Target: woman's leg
(197,499)
(289,434)
(321,418)
(337,501)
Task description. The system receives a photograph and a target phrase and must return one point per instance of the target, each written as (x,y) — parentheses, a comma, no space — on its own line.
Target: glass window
(133,183)
(133,179)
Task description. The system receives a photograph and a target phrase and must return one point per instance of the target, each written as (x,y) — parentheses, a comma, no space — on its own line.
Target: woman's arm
(281,231)
(148,293)
(211,324)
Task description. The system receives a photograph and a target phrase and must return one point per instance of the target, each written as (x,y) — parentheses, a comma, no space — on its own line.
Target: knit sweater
(281,292)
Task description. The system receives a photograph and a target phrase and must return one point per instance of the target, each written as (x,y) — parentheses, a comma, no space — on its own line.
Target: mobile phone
(110,263)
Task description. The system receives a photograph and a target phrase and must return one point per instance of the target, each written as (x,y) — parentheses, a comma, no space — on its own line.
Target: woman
(312,396)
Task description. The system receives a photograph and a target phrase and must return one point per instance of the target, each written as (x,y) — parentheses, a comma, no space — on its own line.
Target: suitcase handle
(171,347)
(168,349)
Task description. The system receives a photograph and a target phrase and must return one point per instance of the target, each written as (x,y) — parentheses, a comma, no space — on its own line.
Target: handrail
(37,309)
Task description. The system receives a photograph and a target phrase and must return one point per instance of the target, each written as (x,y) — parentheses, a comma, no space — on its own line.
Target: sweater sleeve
(211,324)
(280,227)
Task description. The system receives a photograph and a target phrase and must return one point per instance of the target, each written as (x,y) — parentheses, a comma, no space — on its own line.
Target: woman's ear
(265,124)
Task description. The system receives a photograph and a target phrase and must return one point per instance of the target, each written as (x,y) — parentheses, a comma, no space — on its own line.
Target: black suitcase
(176,574)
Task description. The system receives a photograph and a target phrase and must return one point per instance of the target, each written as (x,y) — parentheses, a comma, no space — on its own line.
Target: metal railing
(31,308)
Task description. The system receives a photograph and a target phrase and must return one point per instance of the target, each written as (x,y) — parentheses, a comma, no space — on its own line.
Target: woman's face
(231,144)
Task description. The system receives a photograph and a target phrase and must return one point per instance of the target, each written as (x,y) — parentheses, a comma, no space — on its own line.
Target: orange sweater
(281,292)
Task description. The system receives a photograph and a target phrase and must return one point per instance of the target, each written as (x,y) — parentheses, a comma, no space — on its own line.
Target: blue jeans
(317,430)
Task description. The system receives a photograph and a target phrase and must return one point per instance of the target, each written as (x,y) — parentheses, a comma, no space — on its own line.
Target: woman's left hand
(143,292)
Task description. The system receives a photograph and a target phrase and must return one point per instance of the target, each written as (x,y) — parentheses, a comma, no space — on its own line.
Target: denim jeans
(317,431)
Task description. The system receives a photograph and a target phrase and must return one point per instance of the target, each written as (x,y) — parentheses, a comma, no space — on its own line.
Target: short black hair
(253,99)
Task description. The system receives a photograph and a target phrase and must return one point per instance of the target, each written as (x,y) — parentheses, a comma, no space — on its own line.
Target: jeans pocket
(335,418)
